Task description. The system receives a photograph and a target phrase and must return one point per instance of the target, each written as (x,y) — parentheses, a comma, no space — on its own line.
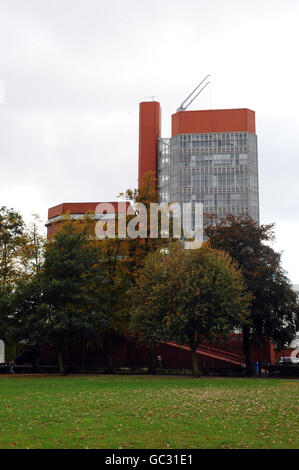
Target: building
(77,210)
(211,157)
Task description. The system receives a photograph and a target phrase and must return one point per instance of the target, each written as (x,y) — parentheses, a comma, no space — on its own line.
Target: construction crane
(184,106)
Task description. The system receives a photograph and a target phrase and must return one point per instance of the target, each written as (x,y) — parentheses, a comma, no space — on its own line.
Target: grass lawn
(147,412)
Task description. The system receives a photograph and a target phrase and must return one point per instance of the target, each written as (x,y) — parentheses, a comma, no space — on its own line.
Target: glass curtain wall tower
(211,158)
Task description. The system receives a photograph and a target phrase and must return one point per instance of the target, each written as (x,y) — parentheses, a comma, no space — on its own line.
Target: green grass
(147,412)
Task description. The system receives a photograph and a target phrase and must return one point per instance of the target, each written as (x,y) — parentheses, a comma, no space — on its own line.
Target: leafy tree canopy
(189,295)
(274,311)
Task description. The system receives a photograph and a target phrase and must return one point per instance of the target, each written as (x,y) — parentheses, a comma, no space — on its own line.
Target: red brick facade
(77,208)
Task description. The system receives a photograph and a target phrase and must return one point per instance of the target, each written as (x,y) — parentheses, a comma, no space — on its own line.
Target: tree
(67,280)
(138,249)
(32,253)
(4,312)
(189,295)
(111,282)
(12,241)
(108,283)
(274,311)
(25,314)
(66,301)
(27,311)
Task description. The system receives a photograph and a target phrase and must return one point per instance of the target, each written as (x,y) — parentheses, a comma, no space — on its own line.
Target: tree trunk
(35,359)
(195,365)
(83,354)
(246,346)
(61,363)
(72,358)
(151,360)
(260,367)
(109,355)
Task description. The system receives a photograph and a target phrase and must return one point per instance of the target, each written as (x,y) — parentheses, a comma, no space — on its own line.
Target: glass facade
(219,170)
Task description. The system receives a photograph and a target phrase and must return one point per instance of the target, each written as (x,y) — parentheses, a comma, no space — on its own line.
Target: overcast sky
(72,73)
